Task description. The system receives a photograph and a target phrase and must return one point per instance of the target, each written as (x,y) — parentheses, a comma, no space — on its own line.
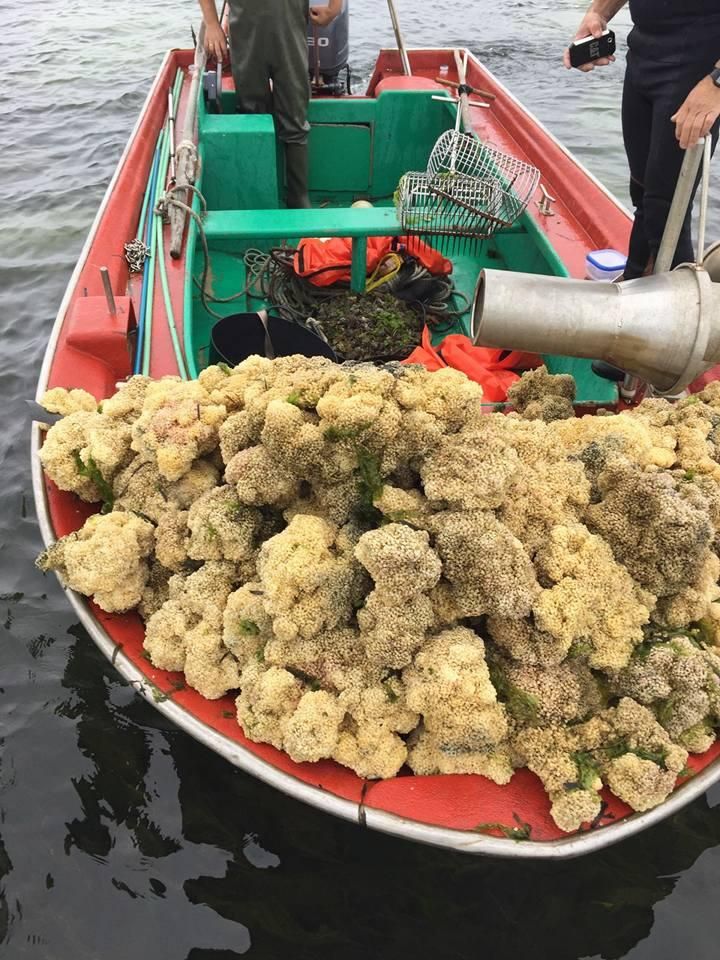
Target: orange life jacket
(493,369)
(325,262)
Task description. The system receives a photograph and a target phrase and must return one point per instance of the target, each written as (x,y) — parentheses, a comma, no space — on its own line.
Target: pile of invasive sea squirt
(390,577)
(369,326)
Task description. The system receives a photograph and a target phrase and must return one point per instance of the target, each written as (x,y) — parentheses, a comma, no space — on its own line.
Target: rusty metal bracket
(545,205)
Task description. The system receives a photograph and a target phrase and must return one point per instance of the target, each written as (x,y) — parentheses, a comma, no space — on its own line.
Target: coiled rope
(271,277)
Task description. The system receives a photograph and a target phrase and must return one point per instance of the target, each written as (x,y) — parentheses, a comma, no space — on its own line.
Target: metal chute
(664,329)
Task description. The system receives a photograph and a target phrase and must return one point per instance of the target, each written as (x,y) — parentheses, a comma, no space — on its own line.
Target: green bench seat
(356,222)
(294,224)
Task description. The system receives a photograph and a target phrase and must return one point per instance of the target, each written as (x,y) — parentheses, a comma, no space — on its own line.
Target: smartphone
(592,48)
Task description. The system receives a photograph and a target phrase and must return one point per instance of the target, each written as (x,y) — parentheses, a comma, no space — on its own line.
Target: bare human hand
(216,42)
(697,115)
(593,25)
(321,16)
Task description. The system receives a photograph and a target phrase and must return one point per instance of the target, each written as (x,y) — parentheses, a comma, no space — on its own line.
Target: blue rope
(137,366)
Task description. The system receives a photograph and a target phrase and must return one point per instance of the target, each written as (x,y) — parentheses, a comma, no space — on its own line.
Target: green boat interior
(359,149)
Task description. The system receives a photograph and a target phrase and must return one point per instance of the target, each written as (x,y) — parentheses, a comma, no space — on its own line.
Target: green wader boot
(268,42)
(296,174)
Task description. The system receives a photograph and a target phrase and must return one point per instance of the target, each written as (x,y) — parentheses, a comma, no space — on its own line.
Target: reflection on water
(112,792)
(121,837)
(157,840)
(383,894)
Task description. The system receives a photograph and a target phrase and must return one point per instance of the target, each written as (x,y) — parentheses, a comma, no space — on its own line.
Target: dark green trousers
(268,41)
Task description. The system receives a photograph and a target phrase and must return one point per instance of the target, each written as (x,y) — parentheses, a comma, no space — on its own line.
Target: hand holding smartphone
(589,49)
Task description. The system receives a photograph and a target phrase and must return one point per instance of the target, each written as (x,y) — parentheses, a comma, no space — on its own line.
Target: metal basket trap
(468,190)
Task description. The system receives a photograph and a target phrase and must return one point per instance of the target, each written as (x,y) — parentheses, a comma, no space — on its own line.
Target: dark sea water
(120,837)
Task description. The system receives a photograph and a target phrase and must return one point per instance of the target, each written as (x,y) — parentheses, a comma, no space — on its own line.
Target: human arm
(594,23)
(215,40)
(323,16)
(698,113)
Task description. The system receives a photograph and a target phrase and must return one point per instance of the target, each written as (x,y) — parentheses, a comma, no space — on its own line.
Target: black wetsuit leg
(653,92)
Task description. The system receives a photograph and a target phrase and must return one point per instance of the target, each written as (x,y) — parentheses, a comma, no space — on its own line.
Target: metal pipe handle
(399,39)
(704,197)
(461,61)
(679,208)
(107,286)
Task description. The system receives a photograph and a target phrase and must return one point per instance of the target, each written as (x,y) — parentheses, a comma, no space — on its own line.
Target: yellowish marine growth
(384,575)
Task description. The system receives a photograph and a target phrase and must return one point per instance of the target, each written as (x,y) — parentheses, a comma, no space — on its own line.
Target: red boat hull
(89,349)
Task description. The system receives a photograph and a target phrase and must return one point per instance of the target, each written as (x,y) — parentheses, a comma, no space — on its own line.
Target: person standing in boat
(268,43)
(671,99)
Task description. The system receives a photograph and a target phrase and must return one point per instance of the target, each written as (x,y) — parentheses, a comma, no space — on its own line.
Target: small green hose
(157,250)
(180,360)
(146,199)
(162,172)
(169,313)
(146,202)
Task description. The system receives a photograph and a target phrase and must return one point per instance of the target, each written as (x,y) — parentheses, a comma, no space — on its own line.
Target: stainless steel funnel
(664,328)
(711,262)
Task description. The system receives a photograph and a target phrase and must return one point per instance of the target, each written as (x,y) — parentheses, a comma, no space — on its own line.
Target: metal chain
(136,253)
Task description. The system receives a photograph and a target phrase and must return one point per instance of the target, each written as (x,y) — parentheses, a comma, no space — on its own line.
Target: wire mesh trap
(468,190)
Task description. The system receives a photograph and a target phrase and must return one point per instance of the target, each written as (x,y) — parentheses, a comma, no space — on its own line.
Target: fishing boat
(113,321)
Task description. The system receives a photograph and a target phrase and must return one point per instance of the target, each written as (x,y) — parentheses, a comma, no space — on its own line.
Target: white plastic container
(605,265)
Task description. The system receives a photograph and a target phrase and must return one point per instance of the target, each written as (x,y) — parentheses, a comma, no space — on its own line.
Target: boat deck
(359,149)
